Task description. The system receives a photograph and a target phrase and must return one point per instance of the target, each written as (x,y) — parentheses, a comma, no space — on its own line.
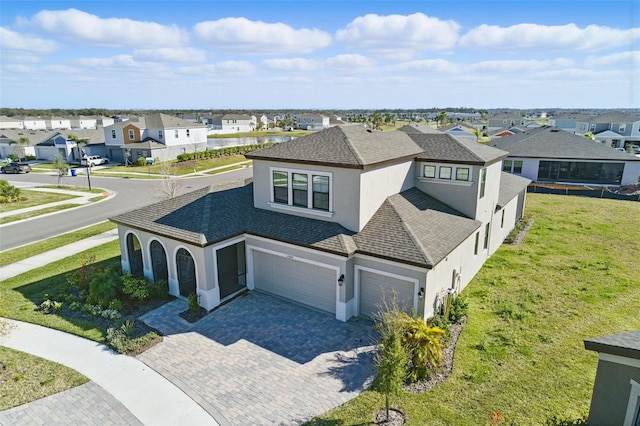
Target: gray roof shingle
(623,344)
(410,227)
(553,142)
(344,146)
(510,186)
(447,149)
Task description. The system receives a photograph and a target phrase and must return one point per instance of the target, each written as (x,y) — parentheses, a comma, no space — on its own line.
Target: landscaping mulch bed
(440,374)
(396,417)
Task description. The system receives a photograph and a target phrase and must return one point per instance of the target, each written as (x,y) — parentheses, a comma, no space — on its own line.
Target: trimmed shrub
(8,192)
(103,288)
(459,309)
(136,288)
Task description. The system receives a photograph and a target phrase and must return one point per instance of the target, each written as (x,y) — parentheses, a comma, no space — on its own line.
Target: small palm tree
(477,132)
(21,143)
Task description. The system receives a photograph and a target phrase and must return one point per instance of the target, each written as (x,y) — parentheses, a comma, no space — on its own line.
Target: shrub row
(213,153)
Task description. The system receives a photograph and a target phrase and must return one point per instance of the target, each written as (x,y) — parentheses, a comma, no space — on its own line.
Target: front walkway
(260,360)
(148,396)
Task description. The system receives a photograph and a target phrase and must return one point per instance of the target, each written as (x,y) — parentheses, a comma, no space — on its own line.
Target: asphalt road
(129,194)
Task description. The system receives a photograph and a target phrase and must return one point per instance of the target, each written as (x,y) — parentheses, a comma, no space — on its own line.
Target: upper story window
(160,134)
(517,167)
(445,172)
(175,133)
(132,134)
(113,134)
(306,189)
(429,171)
(188,133)
(512,166)
(622,128)
(506,165)
(462,173)
(483,182)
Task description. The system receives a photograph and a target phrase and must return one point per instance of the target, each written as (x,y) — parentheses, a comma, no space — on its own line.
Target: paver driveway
(260,360)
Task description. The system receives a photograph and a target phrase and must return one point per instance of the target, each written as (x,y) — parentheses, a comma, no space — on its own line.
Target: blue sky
(320,54)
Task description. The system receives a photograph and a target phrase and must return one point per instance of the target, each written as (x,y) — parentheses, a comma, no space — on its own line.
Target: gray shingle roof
(418,128)
(510,186)
(164,121)
(614,117)
(447,149)
(623,344)
(552,142)
(415,228)
(345,146)
(410,227)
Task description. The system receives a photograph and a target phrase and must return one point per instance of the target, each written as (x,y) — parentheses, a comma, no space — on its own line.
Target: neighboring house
(460,130)
(338,220)
(155,136)
(615,129)
(11,123)
(568,122)
(59,142)
(9,142)
(616,392)
(231,123)
(84,122)
(509,131)
(34,123)
(54,123)
(311,121)
(505,120)
(549,154)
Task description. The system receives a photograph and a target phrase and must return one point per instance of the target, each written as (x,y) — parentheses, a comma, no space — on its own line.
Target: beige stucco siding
(376,185)
(462,196)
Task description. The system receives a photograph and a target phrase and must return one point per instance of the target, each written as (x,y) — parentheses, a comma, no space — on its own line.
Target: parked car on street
(15,168)
(94,160)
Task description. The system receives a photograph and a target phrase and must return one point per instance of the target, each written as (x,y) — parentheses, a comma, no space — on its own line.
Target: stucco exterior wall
(460,195)
(611,392)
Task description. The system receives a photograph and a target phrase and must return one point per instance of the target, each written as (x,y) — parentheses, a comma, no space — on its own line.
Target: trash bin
(73,172)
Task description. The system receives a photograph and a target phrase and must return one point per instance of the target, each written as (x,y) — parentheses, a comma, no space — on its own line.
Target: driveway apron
(261,360)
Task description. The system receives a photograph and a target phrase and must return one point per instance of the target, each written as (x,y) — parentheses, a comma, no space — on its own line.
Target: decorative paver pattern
(87,404)
(260,360)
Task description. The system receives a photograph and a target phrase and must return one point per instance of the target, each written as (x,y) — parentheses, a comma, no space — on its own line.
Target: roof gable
(446,148)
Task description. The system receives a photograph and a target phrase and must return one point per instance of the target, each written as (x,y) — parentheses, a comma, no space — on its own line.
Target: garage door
(376,288)
(302,282)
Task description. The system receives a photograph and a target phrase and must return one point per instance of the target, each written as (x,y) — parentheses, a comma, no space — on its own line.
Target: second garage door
(302,282)
(377,288)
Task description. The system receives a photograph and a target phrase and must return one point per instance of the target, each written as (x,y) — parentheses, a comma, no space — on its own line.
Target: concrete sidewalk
(30,263)
(151,398)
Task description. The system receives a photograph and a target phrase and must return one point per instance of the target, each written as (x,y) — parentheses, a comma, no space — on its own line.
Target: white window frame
(633,406)
(176,133)
(131,134)
(289,206)
(454,172)
(113,134)
(622,128)
(160,134)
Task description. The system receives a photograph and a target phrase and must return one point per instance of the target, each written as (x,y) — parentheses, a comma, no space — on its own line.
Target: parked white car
(94,160)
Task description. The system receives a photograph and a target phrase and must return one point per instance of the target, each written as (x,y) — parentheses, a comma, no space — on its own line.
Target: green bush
(459,308)
(103,288)
(160,289)
(193,299)
(8,192)
(141,161)
(136,288)
(119,337)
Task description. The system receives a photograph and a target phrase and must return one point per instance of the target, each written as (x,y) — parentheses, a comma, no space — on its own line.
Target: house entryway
(232,269)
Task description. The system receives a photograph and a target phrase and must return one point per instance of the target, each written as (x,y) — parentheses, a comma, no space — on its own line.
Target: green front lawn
(521,354)
(177,168)
(259,133)
(31,198)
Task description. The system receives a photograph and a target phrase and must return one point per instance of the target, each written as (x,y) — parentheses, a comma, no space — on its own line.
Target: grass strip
(32,198)
(24,252)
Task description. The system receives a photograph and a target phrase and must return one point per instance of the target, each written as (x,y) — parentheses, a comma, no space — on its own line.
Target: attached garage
(377,288)
(307,283)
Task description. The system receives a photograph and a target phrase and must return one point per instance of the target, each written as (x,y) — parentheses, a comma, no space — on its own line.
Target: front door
(231,269)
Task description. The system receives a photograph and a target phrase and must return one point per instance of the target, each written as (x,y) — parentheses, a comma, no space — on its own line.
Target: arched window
(159,261)
(186,272)
(134,251)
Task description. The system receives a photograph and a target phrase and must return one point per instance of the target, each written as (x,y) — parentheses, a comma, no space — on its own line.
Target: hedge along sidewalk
(45,258)
(151,398)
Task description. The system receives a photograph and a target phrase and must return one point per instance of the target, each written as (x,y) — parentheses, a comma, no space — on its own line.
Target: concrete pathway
(45,258)
(148,396)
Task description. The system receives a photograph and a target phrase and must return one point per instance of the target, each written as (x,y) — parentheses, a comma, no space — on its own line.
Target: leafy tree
(441,118)
(390,361)
(22,142)
(389,119)
(590,136)
(61,166)
(376,121)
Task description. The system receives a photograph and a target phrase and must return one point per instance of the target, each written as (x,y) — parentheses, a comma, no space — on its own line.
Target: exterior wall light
(341,280)
(421,293)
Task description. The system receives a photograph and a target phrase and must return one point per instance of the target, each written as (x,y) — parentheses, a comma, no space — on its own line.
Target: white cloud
(548,37)
(62,69)
(242,36)
(19,69)
(169,54)
(294,64)
(228,67)
(118,61)
(351,62)
(511,66)
(630,58)
(401,36)
(427,65)
(85,28)
(11,40)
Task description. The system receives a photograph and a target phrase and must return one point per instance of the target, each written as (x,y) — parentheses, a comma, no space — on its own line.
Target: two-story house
(155,136)
(505,120)
(339,220)
(311,121)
